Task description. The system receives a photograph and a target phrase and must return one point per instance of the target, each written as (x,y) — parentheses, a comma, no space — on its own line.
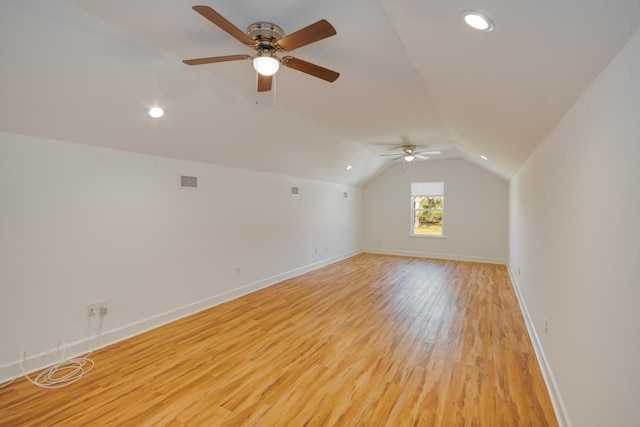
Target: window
(427,207)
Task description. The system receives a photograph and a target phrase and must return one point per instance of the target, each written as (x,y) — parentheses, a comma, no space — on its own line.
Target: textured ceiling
(86,71)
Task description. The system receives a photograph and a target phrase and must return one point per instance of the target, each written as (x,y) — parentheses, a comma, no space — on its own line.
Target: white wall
(575,237)
(79,224)
(475,212)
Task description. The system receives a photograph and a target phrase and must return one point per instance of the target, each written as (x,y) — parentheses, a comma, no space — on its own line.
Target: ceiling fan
(267,39)
(410,154)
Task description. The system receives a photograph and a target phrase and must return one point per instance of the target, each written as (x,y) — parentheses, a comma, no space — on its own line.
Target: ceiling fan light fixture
(409,157)
(477,21)
(266,64)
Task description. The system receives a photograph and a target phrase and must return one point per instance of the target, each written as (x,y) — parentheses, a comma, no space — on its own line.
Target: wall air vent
(295,191)
(188,182)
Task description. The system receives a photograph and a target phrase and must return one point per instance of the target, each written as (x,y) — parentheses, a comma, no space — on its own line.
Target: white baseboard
(42,360)
(559,407)
(469,258)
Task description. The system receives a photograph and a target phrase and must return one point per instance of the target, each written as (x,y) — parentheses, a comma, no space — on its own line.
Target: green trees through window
(427,201)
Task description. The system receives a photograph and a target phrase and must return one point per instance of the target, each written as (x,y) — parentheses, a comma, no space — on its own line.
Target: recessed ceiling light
(477,20)
(348,167)
(483,157)
(156,112)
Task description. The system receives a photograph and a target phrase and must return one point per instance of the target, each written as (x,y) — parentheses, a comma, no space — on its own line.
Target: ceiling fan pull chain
(275,91)
(257,93)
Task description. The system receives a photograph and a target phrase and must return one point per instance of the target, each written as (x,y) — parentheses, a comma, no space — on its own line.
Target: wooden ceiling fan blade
(307,35)
(210,60)
(225,25)
(264,83)
(311,69)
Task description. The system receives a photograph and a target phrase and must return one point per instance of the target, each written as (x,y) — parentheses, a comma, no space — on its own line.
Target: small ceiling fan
(267,39)
(410,154)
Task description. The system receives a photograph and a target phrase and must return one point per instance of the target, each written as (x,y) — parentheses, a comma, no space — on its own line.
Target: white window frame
(426,189)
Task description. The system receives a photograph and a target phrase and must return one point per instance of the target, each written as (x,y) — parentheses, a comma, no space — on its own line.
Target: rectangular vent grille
(188,181)
(295,191)
(345,194)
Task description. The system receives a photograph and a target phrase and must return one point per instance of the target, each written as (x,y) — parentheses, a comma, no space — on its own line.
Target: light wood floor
(371,341)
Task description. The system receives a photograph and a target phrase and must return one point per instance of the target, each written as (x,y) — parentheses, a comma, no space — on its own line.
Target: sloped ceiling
(86,71)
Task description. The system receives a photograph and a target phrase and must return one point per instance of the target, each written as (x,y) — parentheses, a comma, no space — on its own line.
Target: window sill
(428,236)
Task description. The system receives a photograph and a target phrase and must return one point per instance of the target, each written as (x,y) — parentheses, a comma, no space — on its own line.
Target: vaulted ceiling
(87,71)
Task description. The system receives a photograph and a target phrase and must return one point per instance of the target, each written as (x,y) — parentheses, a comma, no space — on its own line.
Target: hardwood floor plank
(373,340)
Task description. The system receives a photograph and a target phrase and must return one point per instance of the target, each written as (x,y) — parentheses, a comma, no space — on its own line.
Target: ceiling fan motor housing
(265,34)
(409,149)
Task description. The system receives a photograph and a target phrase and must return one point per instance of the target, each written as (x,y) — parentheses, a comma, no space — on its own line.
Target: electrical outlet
(98,308)
(546,326)
(92,310)
(102,308)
